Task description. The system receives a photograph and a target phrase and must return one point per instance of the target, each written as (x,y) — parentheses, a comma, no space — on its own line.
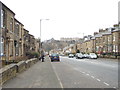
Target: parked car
(92,56)
(85,56)
(49,55)
(70,55)
(54,57)
(79,56)
(62,55)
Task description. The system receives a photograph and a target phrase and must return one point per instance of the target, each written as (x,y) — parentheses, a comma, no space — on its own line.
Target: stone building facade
(104,42)
(7,29)
(15,41)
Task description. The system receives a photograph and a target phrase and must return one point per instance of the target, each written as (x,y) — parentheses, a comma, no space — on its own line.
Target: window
(16,31)
(11,24)
(113,37)
(114,48)
(1,46)
(100,41)
(108,38)
(109,48)
(2,18)
(11,48)
(119,36)
(97,41)
(103,39)
(17,49)
(104,49)
(97,48)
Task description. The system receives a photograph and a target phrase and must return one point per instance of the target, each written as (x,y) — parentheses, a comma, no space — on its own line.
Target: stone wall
(21,66)
(7,73)
(11,70)
(109,56)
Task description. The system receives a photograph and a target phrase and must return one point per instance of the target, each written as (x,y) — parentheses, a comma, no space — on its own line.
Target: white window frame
(114,38)
(114,48)
(1,18)
(2,47)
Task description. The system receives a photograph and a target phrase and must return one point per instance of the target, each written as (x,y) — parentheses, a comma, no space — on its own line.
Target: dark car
(54,57)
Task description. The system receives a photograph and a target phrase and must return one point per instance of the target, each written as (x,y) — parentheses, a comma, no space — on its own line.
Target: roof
(26,30)
(102,34)
(98,35)
(18,21)
(7,7)
(107,33)
(116,30)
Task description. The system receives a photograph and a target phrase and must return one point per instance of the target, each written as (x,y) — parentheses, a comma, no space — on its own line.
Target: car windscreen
(79,53)
(92,54)
(54,55)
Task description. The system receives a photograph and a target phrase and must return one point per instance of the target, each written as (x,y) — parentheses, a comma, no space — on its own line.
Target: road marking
(75,83)
(113,66)
(98,80)
(87,74)
(58,77)
(106,83)
(92,76)
(83,72)
(76,69)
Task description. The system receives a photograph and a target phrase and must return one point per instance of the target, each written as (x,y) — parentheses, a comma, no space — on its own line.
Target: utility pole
(41,34)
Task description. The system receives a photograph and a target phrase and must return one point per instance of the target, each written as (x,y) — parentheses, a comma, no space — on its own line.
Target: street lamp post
(40,34)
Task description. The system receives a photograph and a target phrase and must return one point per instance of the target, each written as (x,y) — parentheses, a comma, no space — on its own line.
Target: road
(68,73)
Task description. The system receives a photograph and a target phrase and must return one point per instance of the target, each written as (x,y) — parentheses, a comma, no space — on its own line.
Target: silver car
(71,56)
(86,56)
(92,56)
(79,56)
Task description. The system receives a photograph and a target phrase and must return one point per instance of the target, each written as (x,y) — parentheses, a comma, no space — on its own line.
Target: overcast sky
(68,18)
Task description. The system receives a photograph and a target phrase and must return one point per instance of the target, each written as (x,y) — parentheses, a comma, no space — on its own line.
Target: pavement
(40,75)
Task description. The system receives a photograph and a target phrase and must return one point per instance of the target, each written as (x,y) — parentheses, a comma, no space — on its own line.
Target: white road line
(83,72)
(98,80)
(87,74)
(92,76)
(113,66)
(58,78)
(75,83)
(76,69)
(106,83)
